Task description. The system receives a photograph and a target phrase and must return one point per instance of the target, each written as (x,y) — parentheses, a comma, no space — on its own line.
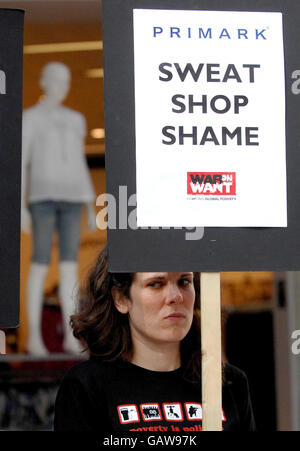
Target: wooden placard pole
(211,352)
(2,342)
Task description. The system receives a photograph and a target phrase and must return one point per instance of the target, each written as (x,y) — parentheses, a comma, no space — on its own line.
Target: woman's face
(160,307)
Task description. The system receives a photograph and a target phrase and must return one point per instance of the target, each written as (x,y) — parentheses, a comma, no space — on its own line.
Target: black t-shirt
(120,396)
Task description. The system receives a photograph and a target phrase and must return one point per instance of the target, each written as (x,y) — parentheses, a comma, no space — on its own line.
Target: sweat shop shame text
(202,104)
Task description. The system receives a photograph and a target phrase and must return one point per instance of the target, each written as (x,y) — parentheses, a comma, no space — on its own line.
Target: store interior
(252,302)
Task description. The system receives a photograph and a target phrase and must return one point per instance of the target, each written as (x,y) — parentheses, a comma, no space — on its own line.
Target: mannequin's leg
(68,226)
(43,222)
(35,295)
(68,295)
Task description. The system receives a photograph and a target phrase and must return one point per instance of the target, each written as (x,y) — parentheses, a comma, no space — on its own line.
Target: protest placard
(202,146)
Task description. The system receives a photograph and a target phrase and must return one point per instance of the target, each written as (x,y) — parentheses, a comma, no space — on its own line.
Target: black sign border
(221,249)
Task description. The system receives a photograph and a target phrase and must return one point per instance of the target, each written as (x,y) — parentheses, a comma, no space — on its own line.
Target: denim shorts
(62,217)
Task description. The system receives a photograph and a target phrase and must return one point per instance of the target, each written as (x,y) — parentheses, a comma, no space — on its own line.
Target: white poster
(210,119)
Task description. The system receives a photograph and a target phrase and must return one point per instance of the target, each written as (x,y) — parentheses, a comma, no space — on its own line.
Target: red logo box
(211,183)
(128,413)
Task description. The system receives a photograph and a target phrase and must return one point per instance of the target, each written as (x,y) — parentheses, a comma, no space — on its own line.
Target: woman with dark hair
(142,331)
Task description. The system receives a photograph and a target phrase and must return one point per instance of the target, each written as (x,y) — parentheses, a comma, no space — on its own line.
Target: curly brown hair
(105,332)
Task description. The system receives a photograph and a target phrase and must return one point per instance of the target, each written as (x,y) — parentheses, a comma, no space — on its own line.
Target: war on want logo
(211,183)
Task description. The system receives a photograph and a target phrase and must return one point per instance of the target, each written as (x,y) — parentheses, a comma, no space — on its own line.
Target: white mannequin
(38,140)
